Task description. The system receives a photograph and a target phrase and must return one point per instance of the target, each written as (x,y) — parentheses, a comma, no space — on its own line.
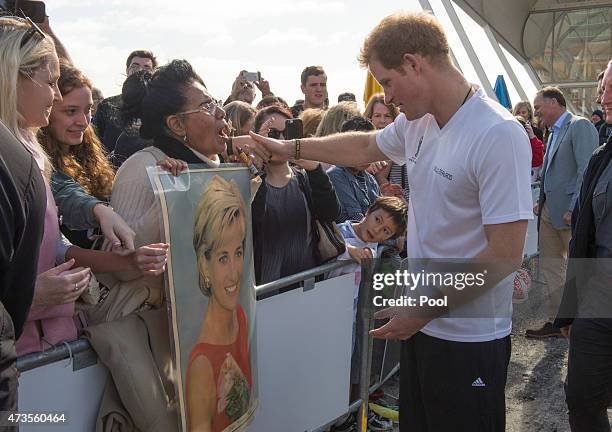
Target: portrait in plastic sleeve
(210,295)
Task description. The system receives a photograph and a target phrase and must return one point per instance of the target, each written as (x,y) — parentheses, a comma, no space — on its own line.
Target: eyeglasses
(209,107)
(33,30)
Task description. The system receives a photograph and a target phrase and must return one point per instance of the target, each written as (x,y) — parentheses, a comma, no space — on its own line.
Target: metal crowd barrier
(82,347)
(83,355)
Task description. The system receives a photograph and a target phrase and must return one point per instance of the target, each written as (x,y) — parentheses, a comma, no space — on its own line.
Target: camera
(252,76)
(294,128)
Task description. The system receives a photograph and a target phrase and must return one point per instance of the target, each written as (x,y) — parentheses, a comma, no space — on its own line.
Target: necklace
(466,96)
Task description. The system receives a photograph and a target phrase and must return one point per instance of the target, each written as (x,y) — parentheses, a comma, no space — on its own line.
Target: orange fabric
(216,355)
(371,88)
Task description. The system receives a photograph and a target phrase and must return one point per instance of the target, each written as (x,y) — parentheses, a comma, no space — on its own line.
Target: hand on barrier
(358,253)
(400,326)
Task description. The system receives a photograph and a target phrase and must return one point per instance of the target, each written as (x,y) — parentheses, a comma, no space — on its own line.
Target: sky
(278,38)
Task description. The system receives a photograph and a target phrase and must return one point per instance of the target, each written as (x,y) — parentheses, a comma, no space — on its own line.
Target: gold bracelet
(298,144)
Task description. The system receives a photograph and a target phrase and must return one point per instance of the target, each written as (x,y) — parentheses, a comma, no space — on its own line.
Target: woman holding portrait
(218,379)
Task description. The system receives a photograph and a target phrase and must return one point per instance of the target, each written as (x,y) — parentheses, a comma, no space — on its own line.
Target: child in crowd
(385,219)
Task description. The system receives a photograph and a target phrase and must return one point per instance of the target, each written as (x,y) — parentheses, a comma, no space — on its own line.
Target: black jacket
(320,197)
(23,202)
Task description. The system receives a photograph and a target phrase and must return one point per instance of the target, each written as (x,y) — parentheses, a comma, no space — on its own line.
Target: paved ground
(535,401)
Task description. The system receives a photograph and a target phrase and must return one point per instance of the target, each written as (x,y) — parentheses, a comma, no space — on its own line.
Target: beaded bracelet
(298,144)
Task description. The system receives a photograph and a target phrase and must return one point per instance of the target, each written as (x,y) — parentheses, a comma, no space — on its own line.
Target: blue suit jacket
(561,180)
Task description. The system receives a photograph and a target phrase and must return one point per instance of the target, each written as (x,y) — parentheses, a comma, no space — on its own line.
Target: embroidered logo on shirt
(413,158)
(443,173)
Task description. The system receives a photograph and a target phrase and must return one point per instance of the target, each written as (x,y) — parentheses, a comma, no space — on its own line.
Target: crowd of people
(432,168)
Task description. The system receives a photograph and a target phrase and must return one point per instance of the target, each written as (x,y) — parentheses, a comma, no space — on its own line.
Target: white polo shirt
(474,171)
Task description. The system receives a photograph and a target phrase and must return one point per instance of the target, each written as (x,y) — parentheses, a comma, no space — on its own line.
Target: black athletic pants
(588,388)
(450,386)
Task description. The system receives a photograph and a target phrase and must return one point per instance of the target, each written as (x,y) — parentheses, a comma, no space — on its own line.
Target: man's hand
(567,218)
(265,148)
(264,87)
(400,326)
(566,331)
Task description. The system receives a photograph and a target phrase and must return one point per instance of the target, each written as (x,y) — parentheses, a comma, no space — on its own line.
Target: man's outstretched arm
(345,149)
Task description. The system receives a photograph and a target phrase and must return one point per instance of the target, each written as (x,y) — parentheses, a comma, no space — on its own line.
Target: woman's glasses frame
(33,30)
(210,107)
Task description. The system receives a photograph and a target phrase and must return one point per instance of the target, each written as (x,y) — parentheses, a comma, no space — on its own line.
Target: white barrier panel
(56,388)
(531,243)
(304,351)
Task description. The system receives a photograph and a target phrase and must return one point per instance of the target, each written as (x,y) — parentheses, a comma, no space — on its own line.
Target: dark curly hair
(86,162)
(151,97)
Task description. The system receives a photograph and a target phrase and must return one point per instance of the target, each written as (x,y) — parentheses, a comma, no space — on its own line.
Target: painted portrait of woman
(218,380)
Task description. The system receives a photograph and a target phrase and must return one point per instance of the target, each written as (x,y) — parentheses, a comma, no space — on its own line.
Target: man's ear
(303,87)
(176,125)
(412,62)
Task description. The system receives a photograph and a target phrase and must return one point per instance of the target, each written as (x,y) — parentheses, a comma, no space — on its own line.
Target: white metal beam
(425,5)
(482,76)
(504,61)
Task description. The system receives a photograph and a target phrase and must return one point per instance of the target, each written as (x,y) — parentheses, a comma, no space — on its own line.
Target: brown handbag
(331,242)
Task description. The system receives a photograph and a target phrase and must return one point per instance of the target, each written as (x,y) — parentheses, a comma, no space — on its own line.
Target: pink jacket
(48,325)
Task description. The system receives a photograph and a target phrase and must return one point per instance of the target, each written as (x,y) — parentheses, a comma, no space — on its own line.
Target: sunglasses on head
(33,30)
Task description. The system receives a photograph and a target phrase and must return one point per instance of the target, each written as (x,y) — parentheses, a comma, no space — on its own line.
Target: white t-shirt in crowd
(474,171)
(351,238)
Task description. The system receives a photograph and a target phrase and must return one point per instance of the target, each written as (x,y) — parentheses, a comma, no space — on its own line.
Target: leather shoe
(547,330)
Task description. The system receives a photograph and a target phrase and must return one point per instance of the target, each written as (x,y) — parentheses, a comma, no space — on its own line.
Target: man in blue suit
(570,144)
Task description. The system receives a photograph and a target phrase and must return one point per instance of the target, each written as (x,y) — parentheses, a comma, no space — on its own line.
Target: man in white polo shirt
(468,163)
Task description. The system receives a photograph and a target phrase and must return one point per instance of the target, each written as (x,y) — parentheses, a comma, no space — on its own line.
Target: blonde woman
(334,118)
(218,389)
(311,118)
(241,115)
(381,115)
(28,83)
(524,110)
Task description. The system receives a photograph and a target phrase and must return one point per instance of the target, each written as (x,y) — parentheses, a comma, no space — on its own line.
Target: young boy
(385,219)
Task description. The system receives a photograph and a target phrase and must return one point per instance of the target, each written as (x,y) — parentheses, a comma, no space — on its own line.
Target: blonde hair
(334,118)
(379,98)
(523,104)
(239,113)
(405,33)
(311,118)
(16,61)
(220,206)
